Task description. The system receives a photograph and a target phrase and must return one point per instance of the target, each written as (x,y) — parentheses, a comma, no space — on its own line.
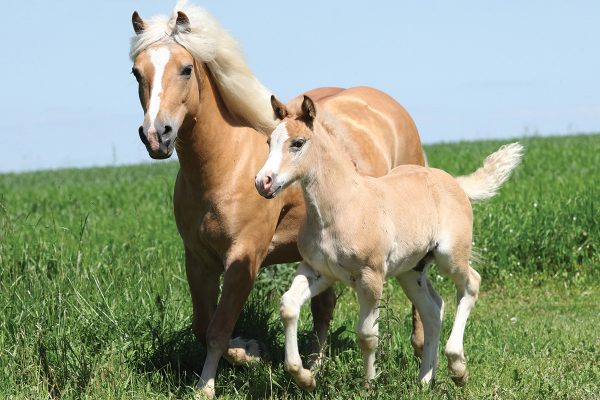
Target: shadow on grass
(173,360)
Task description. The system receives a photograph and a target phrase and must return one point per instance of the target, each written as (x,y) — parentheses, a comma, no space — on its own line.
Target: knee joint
(368,342)
(288,309)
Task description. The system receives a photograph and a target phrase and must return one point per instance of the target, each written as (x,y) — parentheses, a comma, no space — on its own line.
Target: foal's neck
(332,184)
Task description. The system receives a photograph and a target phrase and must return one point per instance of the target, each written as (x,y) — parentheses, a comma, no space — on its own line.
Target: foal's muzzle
(265,187)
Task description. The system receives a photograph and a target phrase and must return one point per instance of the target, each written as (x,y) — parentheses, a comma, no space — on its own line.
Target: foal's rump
(374,129)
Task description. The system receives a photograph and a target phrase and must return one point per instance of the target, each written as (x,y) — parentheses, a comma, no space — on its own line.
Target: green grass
(94,302)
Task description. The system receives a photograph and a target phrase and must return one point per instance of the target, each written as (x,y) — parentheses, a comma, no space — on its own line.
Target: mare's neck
(332,184)
(211,137)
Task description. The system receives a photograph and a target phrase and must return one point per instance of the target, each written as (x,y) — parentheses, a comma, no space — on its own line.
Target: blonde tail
(497,167)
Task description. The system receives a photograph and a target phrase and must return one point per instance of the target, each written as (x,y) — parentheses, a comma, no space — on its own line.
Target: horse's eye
(187,70)
(136,73)
(298,143)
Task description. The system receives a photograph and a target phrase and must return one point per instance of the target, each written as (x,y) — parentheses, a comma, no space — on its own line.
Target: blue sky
(463,69)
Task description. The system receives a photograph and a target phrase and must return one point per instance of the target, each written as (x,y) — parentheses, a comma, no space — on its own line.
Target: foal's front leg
(306,284)
(367,328)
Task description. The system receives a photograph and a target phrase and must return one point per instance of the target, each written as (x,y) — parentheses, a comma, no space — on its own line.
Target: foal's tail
(497,167)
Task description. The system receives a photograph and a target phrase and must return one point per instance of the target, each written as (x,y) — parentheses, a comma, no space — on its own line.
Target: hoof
(457,368)
(204,392)
(461,380)
(426,384)
(305,380)
(242,351)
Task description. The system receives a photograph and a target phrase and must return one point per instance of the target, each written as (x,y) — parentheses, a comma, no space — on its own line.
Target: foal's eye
(136,73)
(187,70)
(298,143)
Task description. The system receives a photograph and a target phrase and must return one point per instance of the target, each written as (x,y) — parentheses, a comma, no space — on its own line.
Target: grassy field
(94,302)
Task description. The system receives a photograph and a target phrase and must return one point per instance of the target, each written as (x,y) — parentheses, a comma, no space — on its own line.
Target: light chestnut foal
(361,230)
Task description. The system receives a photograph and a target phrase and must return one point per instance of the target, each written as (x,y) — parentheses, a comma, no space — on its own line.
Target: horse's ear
(183,23)
(138,23)
(309,111)
(278,107)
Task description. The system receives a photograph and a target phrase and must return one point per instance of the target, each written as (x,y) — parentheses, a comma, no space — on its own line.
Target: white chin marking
(159,58)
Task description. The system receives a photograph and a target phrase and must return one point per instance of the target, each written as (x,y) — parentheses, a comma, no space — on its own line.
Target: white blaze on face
(159,58)
(278,138)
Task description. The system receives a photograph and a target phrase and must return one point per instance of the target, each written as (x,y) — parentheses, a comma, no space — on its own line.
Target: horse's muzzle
(162,146)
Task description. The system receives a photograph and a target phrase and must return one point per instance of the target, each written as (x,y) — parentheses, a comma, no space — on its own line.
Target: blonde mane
(243,94)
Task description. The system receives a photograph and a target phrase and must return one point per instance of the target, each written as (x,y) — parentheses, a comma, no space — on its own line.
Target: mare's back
(374,129)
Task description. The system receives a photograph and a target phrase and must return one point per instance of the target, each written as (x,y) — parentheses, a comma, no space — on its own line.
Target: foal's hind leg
(417,335)
(467,281)
(414,284)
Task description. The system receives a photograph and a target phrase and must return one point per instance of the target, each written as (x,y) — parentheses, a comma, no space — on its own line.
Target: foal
(361,230)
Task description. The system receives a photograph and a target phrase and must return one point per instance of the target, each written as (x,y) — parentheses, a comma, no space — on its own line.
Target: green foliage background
(94,302)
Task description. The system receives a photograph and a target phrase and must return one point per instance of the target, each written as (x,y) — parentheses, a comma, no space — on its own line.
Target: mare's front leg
(321,307)
(203,281)
(306,284)
(240,272)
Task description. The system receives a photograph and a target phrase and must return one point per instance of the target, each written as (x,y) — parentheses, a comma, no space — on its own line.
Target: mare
(361,230)
(200,98)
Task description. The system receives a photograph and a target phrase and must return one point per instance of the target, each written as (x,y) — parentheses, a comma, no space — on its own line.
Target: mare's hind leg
(467,281)
(414,284)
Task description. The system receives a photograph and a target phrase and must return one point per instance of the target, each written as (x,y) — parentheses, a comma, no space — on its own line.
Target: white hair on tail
(208,42)
(497,167)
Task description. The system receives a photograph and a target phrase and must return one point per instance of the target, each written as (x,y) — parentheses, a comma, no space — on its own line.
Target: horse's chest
(328,255)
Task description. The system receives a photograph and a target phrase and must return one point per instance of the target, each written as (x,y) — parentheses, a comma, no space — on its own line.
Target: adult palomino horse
(200,98)
(361,230)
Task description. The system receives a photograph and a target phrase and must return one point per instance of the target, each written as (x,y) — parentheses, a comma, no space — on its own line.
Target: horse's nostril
(267,181)
(142,136)
(167,129)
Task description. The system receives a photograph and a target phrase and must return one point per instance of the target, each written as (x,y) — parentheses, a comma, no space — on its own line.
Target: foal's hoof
(306,380)
(457,367)
(461,380)
(242,351)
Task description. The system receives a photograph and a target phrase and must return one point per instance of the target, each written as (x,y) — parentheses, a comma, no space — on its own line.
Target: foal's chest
(330,255)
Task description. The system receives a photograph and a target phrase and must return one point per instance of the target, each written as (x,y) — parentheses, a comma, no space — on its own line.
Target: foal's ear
(138,23)
(278,107)
(309,111)
(182,23)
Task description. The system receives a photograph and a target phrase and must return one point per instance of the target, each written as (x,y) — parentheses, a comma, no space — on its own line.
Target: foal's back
(426,206)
